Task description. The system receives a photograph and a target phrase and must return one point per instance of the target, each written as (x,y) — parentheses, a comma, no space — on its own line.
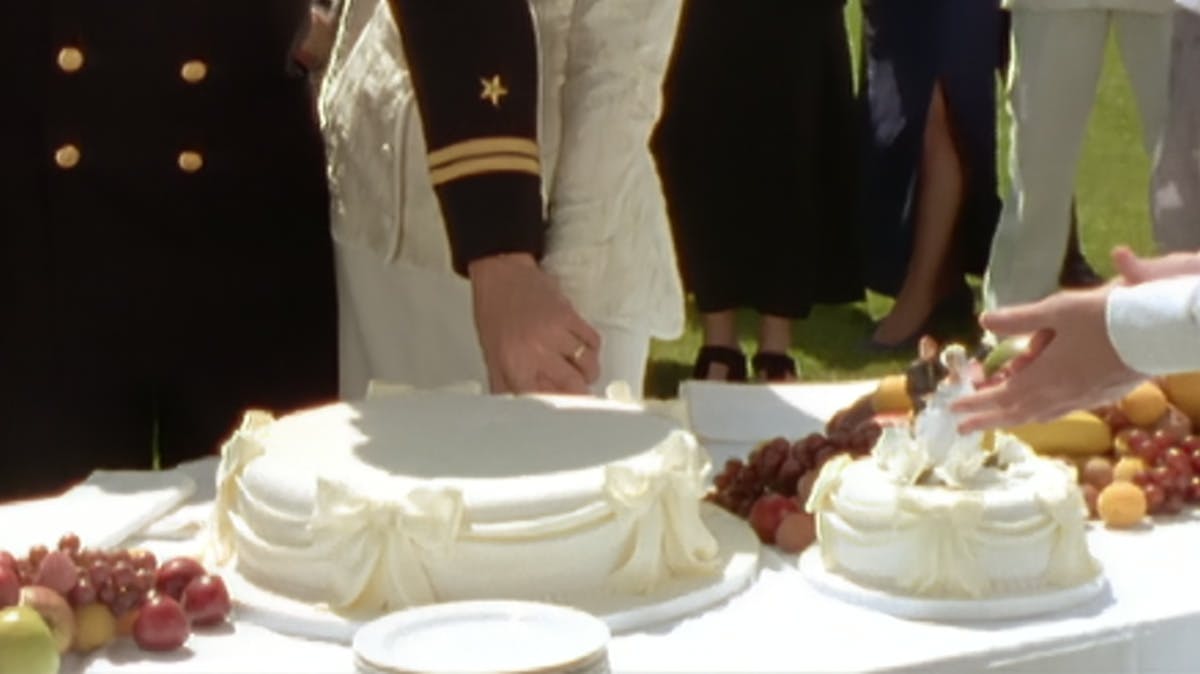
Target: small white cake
(932,513)
(417,498)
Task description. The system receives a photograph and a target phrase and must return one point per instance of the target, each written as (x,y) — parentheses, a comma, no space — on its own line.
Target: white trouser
(1058,57)
(404,324)
(1176,181)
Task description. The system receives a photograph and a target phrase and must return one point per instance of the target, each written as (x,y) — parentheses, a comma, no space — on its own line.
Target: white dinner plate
(945,610)
(483,636)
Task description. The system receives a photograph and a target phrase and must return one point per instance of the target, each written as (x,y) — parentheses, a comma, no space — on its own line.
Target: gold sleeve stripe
(478,147)
(481,165)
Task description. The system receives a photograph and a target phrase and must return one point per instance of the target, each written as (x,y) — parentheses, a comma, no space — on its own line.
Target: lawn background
(1112,193)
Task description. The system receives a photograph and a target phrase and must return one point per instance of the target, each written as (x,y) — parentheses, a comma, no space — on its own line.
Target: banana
(1075,433)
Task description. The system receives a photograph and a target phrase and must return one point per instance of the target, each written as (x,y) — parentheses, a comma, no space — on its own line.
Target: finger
(588,365)
(1127,264)
(1019,320)
(562,376)
(584,332)
(497,382)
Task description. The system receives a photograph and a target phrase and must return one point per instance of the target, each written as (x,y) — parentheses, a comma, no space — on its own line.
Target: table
(1149,621)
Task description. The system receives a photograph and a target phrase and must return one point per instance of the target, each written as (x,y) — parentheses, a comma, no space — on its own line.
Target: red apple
(57,571)
(10,587)
(206,601)
(768,511)
(175,574)
(161,625)
(7,560)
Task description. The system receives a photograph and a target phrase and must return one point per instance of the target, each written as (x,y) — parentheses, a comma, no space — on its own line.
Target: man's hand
(1070,364)
(532,338)
(313,53)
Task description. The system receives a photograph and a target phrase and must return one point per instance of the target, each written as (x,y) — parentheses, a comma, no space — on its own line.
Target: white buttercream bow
(1070,561)
(947,553)
(237,453)
(384,543)
(663,503)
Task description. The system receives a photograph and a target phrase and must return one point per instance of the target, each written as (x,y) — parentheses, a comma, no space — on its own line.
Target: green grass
(1112,195)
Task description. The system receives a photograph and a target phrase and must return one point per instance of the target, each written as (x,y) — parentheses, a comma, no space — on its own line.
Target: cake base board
(737,567)
(1004,607)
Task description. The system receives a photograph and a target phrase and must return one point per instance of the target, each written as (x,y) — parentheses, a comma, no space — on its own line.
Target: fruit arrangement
(81,599)
(770,487)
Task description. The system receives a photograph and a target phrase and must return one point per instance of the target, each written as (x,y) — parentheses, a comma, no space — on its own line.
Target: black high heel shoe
(770,366)
(733,360)
(955,309)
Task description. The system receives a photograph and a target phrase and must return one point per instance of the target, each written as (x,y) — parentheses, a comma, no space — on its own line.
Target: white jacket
(1155,326)
(602,61)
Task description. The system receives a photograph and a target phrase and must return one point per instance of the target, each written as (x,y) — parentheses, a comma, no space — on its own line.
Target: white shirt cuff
(1155,326)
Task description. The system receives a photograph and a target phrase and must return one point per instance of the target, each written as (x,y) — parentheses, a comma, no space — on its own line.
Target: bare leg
(940,197)
(720,329)
(774,334)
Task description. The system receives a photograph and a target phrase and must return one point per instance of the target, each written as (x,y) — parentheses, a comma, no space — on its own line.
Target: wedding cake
(422,497)
(932,513)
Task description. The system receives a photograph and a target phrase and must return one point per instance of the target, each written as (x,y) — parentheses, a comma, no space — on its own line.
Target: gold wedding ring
(578,353)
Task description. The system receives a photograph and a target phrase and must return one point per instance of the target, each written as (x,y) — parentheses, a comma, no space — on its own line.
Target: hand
(1135,270)
(1070,363)
(532,339)
(313,53)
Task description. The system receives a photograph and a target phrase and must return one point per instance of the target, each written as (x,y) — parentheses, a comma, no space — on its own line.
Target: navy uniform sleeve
(474,68)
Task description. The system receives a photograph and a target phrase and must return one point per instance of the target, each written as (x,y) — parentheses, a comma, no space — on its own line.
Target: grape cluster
(1170,477)
(89,596)
(777,466)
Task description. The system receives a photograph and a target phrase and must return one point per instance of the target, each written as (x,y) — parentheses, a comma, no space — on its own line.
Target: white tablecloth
(1149,622)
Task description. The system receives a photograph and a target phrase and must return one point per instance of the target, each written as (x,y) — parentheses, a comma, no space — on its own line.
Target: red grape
(1143,478)
(100,571)
(1174,503)
(161,625)
(1195,460)
(1163,476)
(123,573)
(36,554)
(1193,494)
(107,593)
(1154,497)
(69,543)
(1190,443)
(206,600)
(1164,439)
(1175,459)
(143,580)
(143,559)
(83,592)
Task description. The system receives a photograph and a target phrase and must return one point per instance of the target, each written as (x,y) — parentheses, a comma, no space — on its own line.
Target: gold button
(190,162)
(70,59)
(194,72)
(67,156)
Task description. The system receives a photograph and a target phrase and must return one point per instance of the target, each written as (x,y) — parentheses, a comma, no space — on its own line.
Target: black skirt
(756,153)
(151,296)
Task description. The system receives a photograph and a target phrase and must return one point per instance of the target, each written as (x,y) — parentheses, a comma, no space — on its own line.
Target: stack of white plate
(500,637)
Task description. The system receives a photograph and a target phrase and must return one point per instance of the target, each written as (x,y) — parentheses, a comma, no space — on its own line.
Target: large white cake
(934,514)
(417,498)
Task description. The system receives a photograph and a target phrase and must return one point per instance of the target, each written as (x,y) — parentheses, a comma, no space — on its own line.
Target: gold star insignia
(493,90)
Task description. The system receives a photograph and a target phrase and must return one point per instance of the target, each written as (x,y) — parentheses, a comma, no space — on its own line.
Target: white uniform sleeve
(1155,326)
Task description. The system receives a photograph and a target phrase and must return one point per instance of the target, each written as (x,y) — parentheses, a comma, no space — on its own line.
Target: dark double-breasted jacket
(165,256)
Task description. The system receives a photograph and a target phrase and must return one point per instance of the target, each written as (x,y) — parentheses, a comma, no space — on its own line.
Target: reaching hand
(1070,364)
(1135,270)
(532,338)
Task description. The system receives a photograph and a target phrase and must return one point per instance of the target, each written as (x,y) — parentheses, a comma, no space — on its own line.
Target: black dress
(908,46)
(756,153)
(165,256)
